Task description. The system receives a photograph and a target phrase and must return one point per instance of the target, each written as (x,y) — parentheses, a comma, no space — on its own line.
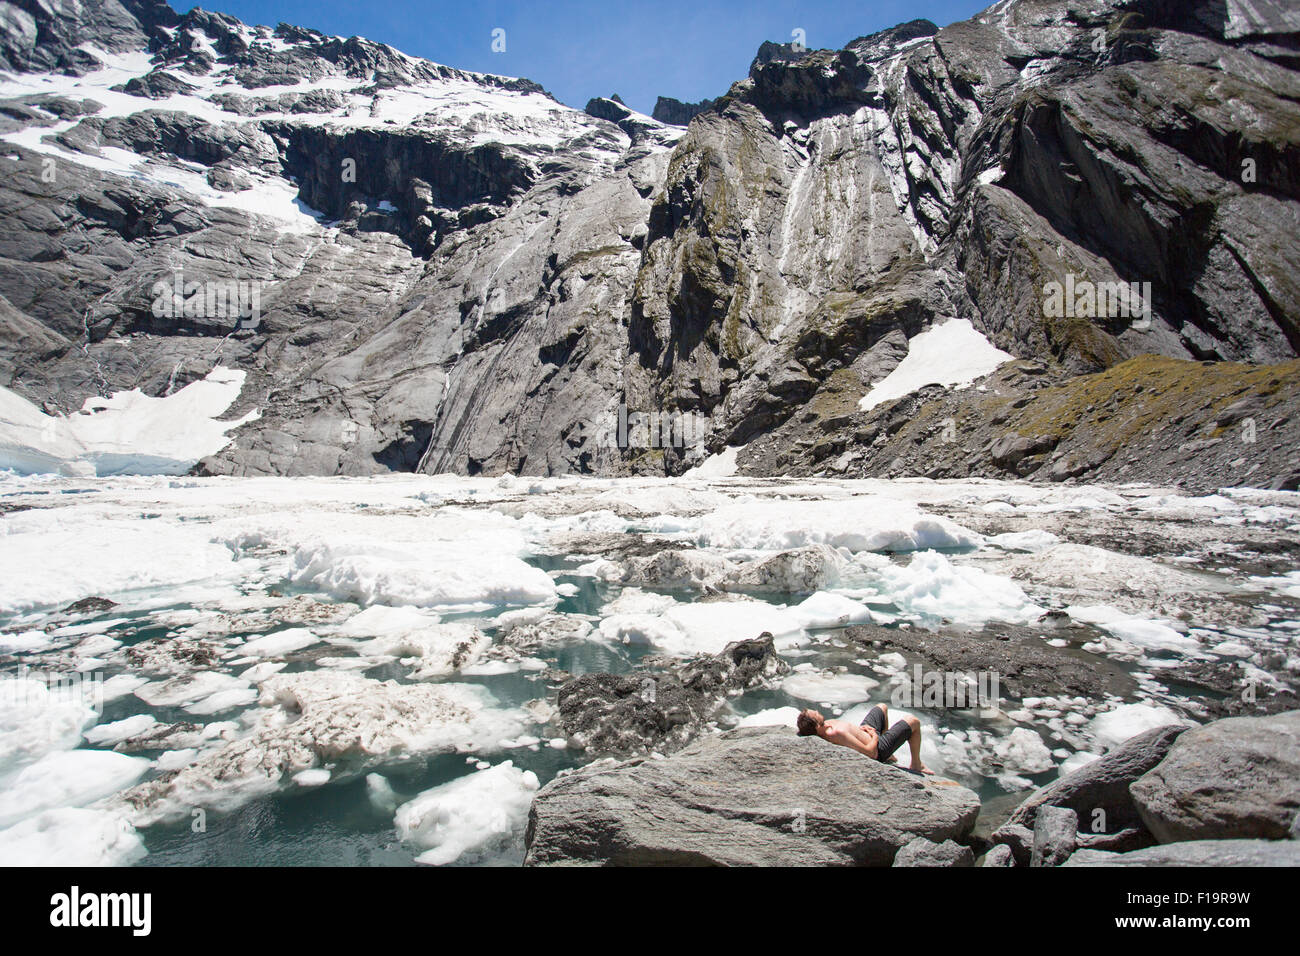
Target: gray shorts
(891,739)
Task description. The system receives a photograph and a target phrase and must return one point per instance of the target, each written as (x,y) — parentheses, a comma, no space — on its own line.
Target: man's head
(809,723)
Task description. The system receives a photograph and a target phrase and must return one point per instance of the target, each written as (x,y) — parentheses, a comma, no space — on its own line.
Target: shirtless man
(870,739)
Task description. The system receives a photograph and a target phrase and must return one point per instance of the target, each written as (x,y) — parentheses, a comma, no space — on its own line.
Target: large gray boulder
(751,796)
(1198,853)
(1234,778)
(1103,784)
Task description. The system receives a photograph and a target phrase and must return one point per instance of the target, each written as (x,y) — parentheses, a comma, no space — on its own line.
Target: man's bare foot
(921,768)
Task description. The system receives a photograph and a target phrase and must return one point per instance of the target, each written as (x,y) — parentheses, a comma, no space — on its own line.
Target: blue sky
(690,49)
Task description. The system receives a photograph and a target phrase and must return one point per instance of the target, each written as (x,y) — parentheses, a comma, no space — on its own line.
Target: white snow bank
(127,434)
(952,354)
(451,559)
(478,817)
(932,587)
(721,465)
(866,523)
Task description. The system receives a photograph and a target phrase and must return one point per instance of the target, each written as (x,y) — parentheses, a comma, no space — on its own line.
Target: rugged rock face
(1235,778)
(659,710)
(750,796)
(677,113)
(1103,784)
(485,277)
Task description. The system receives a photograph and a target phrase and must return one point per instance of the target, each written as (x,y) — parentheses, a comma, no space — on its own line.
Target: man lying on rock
(871,739)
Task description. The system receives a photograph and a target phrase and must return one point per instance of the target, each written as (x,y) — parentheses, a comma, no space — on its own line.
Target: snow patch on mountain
(128,433)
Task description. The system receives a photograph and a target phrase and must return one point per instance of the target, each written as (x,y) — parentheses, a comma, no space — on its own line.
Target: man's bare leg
(914,741)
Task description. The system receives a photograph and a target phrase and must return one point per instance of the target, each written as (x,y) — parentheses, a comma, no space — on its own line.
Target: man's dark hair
(807,724)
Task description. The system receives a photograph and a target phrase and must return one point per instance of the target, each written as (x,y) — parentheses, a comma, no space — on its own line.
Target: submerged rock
(752,796)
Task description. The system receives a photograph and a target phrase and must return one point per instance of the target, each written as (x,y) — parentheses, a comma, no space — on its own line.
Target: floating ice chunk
(953,354)
(1076,760)
(280,643)
(772,717)
(650,629)
(380,793)
(376,571)
(122,685)
(1231,649)
(36,719)
(1149,635)
(69,778)
(1288,584)
(260,672)
(315,777)
(1032,541)
(824,610)
(477,818)
(418,637)
(54,556)
(825,687)
(222,701)
(709,628)
(602,569)
(106,735)
(175,759)
(1128,720)
(314,718)
(72,837)
(189,689)
(932,587)
(24,642)
(863,523)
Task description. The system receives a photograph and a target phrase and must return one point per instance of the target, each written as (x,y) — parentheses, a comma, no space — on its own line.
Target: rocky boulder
(1234,778)
(1103,785)
(751,796)
(661,709)
(1198,853)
